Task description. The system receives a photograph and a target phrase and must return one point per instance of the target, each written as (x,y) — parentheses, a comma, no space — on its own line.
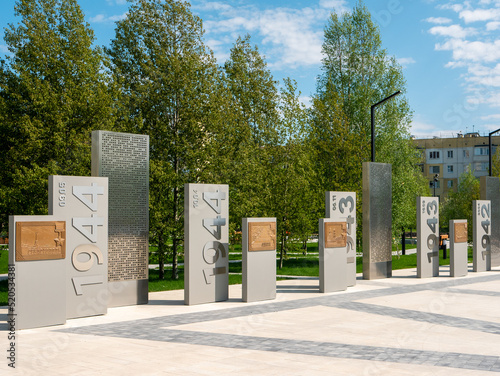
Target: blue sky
(450,50)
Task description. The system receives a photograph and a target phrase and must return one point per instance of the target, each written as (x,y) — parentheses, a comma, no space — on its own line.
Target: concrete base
(258,268)
(377,270)
(125,293)
(458,253)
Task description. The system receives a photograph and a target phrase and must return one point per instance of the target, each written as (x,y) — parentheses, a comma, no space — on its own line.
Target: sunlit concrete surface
(397,326)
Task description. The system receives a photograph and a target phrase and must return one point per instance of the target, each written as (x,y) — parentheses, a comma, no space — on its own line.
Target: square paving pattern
(397,326)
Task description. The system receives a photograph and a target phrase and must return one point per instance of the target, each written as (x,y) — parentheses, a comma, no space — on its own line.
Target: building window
(434,154)
(450,183)
(450,168)
(481,151)
(466,153)
(483,166)
(433,169)
(431,184)
(450,153)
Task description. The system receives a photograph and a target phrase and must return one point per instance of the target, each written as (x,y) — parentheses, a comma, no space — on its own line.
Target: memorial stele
(124,159)
(258,259)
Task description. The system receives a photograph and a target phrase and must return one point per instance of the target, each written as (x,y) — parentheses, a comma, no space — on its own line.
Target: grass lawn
(156,284)
(299,266)
(4,259)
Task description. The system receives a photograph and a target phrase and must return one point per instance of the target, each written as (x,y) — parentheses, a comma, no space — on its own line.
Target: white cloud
(438,20)
(475,51)
(492,26)
(405,61)
(479,15)
(421,129)
(453,31)
(117,2)
(337,5)
(491,117)
(101,18)
(289,37)
(4,49)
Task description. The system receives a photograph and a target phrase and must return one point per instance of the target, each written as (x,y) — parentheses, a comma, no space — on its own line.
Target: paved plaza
(397,326)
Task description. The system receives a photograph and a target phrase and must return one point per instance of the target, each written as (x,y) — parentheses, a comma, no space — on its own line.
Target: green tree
(54,91)
(336,150)
(357,73)
(254,118)
(172,90)
(291,175)
(458,204)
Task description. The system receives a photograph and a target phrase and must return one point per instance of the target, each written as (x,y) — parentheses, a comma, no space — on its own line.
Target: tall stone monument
(332,250)
(458,248)
(124,159)
(490,190)
(206,243)
(341,206)
(427,237)
(82,202)
(482,227)
(258,259)
(377,220)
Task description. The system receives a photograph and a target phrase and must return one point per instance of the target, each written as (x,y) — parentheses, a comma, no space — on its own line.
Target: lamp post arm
(372,120)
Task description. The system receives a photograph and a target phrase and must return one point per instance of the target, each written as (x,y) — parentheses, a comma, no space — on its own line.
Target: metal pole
(489,153)
(372,113)
(372,110)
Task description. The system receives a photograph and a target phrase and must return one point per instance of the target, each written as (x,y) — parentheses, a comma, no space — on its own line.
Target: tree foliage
(458,204)
(357,73)
(170,83)
(53,93)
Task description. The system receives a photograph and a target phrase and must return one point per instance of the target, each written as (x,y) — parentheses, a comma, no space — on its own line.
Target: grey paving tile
(163,328)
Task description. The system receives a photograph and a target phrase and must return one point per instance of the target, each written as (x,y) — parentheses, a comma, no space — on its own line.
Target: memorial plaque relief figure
(40,240)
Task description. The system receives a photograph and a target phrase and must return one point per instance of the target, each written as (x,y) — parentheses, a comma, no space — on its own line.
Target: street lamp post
(372,112)
(489,150)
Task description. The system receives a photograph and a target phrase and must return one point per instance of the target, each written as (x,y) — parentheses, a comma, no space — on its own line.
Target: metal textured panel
(482,227)
(124,159)
(490,190)
(258,268)
(458,250)
(377,220)
(428,237)
(341,206)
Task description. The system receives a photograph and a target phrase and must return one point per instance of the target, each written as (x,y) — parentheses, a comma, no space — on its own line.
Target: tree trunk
(282,249)
(175,271)
(161,256)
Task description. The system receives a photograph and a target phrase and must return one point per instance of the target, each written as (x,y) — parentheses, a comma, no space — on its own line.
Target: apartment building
(448,158)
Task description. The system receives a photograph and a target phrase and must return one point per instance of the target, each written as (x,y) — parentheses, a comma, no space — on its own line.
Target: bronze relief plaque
(335,234)
(261,236)
(40,240)
(460,232)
